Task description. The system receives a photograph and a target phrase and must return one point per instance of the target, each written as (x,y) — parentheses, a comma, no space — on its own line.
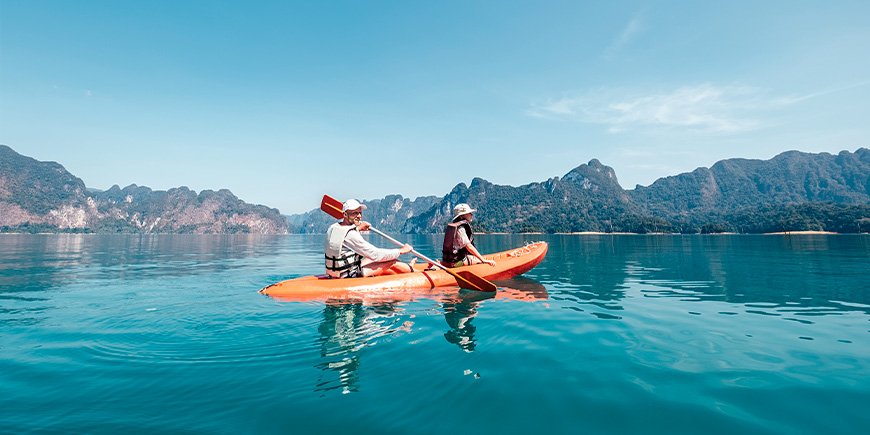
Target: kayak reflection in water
(348,255)
(459,313)
(349,326)
(346,330)
(462,309)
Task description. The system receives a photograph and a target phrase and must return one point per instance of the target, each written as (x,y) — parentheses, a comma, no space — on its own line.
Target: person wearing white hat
(458,248)
(348,255)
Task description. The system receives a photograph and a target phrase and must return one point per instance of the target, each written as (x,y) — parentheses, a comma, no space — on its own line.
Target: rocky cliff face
(792,191)
(387,214)
(38,192)
(43,197)
(789,178)
(578,201)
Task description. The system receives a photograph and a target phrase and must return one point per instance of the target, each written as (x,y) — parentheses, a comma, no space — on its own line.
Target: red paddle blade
(331,206)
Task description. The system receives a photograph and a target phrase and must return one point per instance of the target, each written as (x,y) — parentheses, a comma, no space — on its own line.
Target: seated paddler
(458,248)
(348,255)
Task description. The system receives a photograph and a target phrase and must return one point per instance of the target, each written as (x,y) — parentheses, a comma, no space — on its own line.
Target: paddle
(465,279)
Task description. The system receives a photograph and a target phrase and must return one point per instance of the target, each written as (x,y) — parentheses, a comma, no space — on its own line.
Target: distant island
(792,192)
(42,197)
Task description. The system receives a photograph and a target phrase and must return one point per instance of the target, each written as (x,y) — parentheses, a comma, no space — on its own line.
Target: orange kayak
(508,264)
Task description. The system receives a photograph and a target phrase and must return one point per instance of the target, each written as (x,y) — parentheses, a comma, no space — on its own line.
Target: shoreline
(788,233)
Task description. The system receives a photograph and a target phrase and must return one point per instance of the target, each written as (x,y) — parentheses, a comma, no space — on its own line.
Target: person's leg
(469,260)
(472,260)
(400,267)
(386,268)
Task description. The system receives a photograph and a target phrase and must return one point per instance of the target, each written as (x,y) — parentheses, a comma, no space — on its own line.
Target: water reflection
(40,262)
(806,275)
(36,269)
(351,325)
(461,309)
(346,329)
(459,313)
(338,346)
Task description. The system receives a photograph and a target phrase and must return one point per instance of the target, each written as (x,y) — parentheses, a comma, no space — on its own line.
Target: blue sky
(283,101)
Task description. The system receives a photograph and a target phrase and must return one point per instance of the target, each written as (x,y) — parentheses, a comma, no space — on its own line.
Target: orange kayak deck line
(508,264)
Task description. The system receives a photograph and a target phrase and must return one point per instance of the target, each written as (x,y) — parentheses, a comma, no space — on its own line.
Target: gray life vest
(341,262)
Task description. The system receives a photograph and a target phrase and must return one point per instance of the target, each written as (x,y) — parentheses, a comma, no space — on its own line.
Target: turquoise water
(636,334)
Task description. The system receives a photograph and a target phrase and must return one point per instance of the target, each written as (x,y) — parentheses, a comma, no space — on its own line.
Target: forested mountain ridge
(789,178)
(387,214)
(44,197)
(793,191)
(582,200)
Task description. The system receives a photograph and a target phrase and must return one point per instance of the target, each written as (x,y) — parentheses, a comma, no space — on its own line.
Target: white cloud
(702,108)
(628,33)
(799,98)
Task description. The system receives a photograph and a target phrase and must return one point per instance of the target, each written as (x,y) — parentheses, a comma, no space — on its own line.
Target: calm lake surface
(638,334)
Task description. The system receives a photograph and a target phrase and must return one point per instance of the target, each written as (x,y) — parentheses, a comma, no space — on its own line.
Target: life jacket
(341,262)
(448,253)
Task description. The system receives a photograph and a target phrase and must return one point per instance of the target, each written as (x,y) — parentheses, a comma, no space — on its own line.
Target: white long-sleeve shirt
(371,253)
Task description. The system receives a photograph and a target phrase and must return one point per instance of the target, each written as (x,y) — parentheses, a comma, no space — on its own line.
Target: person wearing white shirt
(348,255)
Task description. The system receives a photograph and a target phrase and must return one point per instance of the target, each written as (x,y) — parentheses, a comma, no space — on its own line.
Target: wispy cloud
(633,28)
(703,108)
(799,98)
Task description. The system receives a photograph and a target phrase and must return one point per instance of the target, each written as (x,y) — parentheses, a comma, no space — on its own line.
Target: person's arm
(473,251)
(466,243)
(355,242)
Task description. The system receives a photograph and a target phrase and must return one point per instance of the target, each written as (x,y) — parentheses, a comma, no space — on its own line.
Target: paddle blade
(470,281)
(331,206)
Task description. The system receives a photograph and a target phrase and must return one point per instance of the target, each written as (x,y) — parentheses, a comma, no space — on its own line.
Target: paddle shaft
(398,243)
(460,279)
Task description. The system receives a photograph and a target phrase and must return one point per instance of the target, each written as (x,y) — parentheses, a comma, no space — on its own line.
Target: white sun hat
(352,204)
(462,209)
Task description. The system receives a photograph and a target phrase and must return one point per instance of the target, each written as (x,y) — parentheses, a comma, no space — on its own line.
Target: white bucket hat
(352,204)
(462,209)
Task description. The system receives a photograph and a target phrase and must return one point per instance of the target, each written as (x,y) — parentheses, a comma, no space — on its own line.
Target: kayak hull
(508,264)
